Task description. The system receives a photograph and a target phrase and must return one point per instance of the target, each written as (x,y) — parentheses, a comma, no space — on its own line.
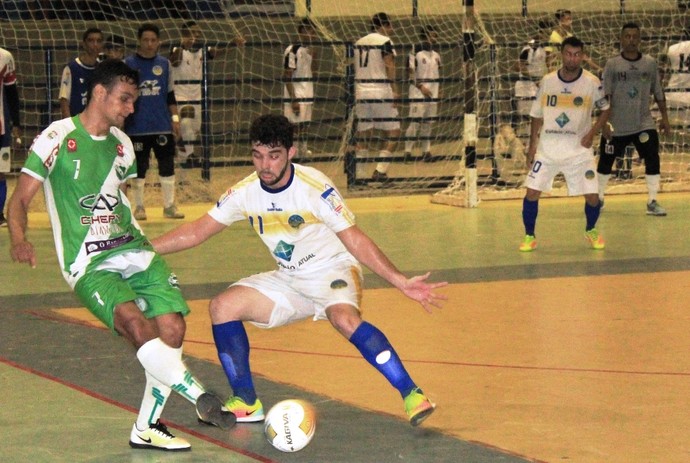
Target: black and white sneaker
(157,437)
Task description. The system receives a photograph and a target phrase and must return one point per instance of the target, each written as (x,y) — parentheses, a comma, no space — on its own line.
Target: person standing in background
(10,125)
(423,67)
(631,79)
(299,60)
(75,75)
(376,92)
(155,124)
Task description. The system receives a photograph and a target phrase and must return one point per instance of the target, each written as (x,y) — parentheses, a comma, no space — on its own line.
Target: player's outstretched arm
(368,253)
(21,250)
(188,235)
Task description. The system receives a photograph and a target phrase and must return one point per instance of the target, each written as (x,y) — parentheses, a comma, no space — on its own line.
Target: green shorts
(154,289)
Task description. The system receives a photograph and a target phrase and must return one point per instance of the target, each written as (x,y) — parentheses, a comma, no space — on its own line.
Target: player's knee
(344,318)
(222,309)
(166,166)
(171,329)
(187,130)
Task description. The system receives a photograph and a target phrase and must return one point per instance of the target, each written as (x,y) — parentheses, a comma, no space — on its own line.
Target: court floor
(564,354)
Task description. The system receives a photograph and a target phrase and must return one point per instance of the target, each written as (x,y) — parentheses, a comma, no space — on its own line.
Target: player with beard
(302,219)
(561,136)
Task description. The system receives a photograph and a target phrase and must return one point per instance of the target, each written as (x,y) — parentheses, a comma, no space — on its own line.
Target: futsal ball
(290,425)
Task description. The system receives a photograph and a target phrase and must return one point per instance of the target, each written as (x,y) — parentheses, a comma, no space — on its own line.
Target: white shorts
(369,113)
(580,175)
(297,297)
(5,159)
(182,107)
(304,116)
(423,109)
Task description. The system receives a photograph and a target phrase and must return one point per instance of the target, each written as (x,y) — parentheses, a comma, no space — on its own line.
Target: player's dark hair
(630,25)
(573,42)
(148,27)
(114,40)
(543,25)
(188,24)
(89,31)
(306,23)
(272,130)
(380,20)
(108,73)
(425,31)
(562,12)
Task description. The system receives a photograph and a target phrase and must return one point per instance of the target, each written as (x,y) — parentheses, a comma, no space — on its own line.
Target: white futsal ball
(290,425)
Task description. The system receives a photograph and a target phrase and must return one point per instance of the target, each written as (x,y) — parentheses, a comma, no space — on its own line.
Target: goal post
(476,138)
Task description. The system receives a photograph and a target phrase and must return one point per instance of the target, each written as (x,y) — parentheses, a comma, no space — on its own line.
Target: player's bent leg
(377,350)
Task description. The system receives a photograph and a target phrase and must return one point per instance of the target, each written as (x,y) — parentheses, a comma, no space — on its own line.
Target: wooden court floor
(565,354)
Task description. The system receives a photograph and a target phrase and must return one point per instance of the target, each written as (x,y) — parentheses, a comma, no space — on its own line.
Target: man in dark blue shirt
(155,124)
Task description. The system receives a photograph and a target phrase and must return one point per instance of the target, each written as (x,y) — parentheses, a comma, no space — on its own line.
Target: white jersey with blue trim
(566,108)
(298,223)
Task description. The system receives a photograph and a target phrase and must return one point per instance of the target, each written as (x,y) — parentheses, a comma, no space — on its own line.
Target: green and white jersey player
(83,163)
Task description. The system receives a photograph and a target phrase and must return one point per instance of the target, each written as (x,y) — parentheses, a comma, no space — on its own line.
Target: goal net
(476,138)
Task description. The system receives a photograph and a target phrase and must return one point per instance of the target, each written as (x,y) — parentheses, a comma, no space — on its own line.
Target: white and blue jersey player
(561,136)
(304,222)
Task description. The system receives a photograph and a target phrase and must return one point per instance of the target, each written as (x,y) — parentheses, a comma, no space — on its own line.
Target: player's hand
(607,131)
(665,127)
(17,136)
(418,289)
(587,140)
(23,253)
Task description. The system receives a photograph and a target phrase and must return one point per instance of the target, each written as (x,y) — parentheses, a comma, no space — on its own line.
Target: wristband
(176,118)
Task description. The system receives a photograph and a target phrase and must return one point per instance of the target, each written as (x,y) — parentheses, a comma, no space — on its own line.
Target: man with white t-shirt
(561,136)
(376,91)
(423,67)
(311,233)
(678,86)
(298,92)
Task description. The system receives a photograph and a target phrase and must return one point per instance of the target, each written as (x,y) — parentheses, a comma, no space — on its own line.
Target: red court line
(110,401)
(64,319)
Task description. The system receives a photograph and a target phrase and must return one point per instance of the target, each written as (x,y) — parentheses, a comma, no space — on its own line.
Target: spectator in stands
(630,80)
(317,248)
(76,74)
(82,163)
(531,66)
(299,60)
(375,81)
(423,69)
(155,124)
(10,125)
(563,30)
(677,65)
(115,47)
(561,137)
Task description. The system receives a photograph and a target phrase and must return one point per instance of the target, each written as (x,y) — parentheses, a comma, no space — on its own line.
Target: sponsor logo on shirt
(149,88)
(333,199)
(71,145)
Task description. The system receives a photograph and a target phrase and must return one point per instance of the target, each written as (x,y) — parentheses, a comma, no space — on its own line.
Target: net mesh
(246,81)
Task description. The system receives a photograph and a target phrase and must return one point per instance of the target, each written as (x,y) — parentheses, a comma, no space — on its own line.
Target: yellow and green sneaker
(244,412)
(595,239)
(529,244)
(418,407)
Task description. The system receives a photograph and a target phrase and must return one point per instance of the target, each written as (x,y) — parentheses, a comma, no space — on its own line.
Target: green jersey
(82,174)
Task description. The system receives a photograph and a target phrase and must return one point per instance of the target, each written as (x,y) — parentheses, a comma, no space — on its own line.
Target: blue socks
(592,215)
(3,195)
(233,351)
(376,349)
(530,209)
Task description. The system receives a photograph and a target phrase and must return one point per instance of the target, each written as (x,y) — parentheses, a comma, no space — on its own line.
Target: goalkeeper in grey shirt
(630,79)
